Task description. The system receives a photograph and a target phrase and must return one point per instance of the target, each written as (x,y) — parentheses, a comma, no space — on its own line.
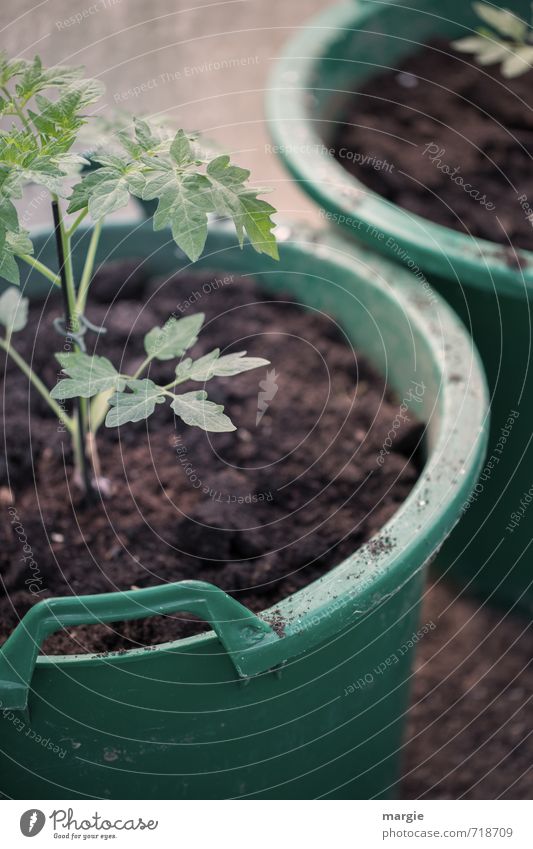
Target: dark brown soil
(260,512)
(470,722)
(439,119)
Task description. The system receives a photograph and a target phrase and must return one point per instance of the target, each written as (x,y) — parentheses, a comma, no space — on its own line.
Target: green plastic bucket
(489,553)
(241,711)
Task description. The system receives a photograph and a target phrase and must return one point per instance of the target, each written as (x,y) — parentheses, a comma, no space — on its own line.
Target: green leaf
(236,363)
(503,20)
(13,243)
(10,68)
(195,410)
(13,310)
(109,195)
(88,376)
(35,78)
(180,150)
(492,51)
(135,405)
(8,215)
(519,62)
(184,202)
(173,339)
(259,225)
(9,269)
(470,44)
(103,191)
(197,370)
(19,242)
(248,212)
(213,365)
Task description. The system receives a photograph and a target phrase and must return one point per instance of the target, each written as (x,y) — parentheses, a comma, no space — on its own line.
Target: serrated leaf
(469,44)
(135,405)
(13,310)
(8,215)
(503,20)
(195,410)
(19,242)
(88,376)
(259,225)
(35,78)
(9,269)
(492,51)
(12,243)
(108,196)
(237,363)
(180,149)
(518,63)
(199,370)
(174,338)
(10,68)
(183,369)
(213,365)
(143,134)
(103,191)
(234,199)
(184,202)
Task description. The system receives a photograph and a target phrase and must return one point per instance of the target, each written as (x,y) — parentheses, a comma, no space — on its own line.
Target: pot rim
(438,250)
(451,469)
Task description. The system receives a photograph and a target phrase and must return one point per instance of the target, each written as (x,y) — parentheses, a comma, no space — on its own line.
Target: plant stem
(142,367)
(39,385)
(65,266)
(69,301)
(76,223)
(39,266)
(177,382)
(87,273)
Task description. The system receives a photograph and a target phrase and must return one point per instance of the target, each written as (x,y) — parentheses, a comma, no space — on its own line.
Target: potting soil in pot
(260,512)
(448,140)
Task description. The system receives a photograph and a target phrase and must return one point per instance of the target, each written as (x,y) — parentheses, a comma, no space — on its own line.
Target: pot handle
(244,636)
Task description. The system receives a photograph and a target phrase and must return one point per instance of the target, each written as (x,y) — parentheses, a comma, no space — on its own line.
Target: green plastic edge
(437,249)
(368,578)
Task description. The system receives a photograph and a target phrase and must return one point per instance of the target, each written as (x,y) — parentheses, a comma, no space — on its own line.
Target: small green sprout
(510,41)
(138,158)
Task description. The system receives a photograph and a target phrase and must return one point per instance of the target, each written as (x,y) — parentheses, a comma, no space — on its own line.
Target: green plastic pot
(489,553)
(241,711)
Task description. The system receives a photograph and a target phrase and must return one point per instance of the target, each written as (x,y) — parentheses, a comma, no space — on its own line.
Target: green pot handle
(244,636)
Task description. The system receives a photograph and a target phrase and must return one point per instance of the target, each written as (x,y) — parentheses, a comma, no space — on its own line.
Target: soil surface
(260,512)
(447,140)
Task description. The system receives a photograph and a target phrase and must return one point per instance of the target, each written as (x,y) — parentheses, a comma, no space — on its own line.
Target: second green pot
(328,60)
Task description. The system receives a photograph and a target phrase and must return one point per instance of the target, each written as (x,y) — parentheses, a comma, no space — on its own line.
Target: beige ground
(205,65)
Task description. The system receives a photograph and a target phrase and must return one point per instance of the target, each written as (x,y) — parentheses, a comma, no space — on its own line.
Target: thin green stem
(18,110)
(69,297)
(88,267)
(177,382)
(142,367)
(39,385)
(40,266)
(76,223)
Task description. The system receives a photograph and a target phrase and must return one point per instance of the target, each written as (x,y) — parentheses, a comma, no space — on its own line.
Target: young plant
(48,108)
(510,41)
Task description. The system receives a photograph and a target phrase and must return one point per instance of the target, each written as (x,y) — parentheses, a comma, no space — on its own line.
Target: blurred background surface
(203,66)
